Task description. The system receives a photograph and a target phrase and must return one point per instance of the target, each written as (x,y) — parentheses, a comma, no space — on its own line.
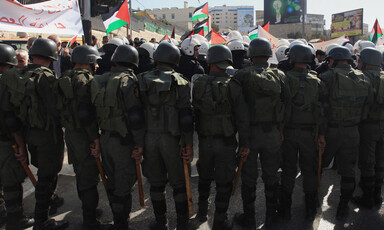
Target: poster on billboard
(245,19)
(284,11)
(348,23)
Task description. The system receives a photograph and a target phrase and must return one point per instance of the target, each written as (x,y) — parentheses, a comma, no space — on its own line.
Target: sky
(372,8)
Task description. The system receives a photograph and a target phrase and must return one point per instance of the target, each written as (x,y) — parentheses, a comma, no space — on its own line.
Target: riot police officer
(11,129)
(265,94)
(168,112)
(346,102)
(81,130)
(371,150)
(119,111)
(303,131)
(220,111)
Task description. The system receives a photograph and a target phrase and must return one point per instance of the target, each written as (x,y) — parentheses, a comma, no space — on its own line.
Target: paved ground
(141,217)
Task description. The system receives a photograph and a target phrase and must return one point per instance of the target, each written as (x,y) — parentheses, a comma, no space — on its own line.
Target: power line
(141,4)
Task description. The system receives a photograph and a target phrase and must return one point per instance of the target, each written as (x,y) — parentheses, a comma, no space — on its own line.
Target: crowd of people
(142,101)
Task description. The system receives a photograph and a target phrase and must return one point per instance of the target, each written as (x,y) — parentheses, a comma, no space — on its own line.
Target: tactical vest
(159,92)
(263,89)
(67,102)
(213,108)
(3,129)
(107,97)
(305,104)
(347,97)
(376,112)
(24,96)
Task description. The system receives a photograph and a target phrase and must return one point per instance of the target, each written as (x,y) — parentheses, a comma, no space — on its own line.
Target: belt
(300,128)
(340,126)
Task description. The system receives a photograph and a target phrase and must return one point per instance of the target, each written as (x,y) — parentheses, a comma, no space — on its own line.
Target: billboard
(245,19)
(348,23)
(284,11)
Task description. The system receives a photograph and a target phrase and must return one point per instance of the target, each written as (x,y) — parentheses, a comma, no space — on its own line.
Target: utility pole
(87,25)
(304,14)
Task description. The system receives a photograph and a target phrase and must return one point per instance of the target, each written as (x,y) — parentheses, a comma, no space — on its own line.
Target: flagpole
(130,14)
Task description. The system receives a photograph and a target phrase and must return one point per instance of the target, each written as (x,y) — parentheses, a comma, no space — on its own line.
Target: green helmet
(260,47)
(126,54)
(371,56)
(7,55)
(167,53)
(301,53)
(45,48)
(220,54)
(85,55)
(340,53)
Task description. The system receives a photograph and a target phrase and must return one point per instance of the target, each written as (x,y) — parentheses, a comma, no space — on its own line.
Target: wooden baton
(25,167)
(188,187)
(101,172)
(239,168)
(140,183)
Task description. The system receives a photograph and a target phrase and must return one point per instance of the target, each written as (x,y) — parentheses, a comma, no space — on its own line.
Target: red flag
(266,27)
(173,33)
(70,43)
(216,38)
(199,30)
(347,38)
(123,13)
(376,32)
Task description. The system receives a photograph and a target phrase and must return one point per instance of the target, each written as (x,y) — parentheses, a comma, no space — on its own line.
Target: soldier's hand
(95,148)
(321,142)
(187,153)
(21,154)
(243,153)
(137,153)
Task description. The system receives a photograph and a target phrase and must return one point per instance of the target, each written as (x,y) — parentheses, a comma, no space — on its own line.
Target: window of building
(155,15)
(217,22)
(226,13)
(190,15)
(173,16)
(163,16)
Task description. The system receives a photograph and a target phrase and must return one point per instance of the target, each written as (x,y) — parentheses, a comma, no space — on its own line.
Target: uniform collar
(218,74)
(164,68)
(116,69)
(344,66)
(260,64)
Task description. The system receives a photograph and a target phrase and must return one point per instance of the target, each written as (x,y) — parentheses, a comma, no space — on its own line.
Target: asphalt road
(142,217)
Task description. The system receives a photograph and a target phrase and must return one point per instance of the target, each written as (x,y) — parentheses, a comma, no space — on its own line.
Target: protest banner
(53,17)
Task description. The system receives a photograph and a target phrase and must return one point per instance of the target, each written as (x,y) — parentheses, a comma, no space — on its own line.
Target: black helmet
(7,55)
(44,47)
(301,53)
(371,56)
(167,53)
(260,47)
(220,55)
(340,53)
(85,55)
(126,54)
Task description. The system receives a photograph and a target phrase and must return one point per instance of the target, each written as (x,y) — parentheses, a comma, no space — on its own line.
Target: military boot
(310,206)
(271,206)
(90,199)
(342,209)
(284,209)
(160,210)
(121,209)
(55,203)
(182,221)
(161,223)
(204,190)
(247,220)
(50,224)
(221,222)
(366,200)
(18,221)
(377,193)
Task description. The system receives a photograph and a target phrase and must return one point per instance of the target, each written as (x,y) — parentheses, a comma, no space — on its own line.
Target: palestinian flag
(199,30)
(70,43)
(204,24)
(200,12)
(217,39)
(173,33)
(376,32)
(254,33)
(117,17)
